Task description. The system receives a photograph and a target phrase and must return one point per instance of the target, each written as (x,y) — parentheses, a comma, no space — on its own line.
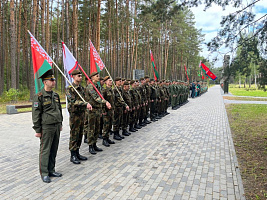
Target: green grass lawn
(249,130)
(235,90)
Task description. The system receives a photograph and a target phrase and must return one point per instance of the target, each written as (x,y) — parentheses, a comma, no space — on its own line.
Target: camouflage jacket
(118,100)
(93,97)
(109,95)
(75,103)
(127,98)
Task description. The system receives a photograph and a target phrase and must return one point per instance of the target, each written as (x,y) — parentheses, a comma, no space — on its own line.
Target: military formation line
(126,105)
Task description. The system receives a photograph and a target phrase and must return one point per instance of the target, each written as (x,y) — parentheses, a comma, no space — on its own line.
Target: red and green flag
(155,70)
(96,64)
(41,63)
(208,72)
(186,72)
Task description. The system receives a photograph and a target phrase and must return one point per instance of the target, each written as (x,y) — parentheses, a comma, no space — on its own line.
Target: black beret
(75,72)
(93,74)
(126,83)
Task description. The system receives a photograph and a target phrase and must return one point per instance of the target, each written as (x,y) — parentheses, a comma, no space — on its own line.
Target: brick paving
(188,154)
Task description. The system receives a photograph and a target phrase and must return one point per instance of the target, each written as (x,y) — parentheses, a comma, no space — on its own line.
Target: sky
(209,22)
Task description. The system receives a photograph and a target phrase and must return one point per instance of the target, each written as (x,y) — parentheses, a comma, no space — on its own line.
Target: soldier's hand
(89,107)
(127,108)
(108,105)
(38,135)
(152,100)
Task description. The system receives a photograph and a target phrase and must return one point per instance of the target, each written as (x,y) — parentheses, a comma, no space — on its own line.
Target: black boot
(97,148)
(116,135)
(110,141)
(92,150)
(80,157)
(73,158)
(85,139)
(131,129)
(120,135)
(137,126)
(100,136)
(105,143)
(125,133)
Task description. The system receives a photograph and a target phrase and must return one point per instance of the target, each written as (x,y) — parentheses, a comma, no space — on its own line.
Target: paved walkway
(188,154)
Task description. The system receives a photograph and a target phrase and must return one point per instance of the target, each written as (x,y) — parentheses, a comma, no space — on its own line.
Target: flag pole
(113,82)
(88,78)
(63,75)
(108,73)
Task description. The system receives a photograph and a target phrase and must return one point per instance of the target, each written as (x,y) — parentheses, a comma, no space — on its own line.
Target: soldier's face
(109,82)
(118,83)
(50,84)
(96,78)
(137,83)
(77,77)
(126,87)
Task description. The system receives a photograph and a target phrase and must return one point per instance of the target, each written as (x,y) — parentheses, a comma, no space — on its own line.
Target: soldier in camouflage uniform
(76,108)
(153,98)
(142,92)
(101,81)
(85,127)
(167,95)
(47,122)
(127,98)
(95,100)
(118,112)
(135,105)
(108,115)
(148,94)
(139,101)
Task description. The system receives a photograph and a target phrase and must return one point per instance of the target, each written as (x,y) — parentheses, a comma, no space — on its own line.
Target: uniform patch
(35,104)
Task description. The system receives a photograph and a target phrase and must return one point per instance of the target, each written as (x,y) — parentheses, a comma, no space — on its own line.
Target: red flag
(96,64)
(41,62)
(155,70)
(208,72)
(186,72)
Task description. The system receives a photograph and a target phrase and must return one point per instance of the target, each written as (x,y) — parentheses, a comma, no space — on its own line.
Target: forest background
(122,31)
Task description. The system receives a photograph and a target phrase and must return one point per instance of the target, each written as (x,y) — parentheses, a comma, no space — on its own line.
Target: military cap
(106,78)
(101,79)
(49,75)
(147,77)
(123,79)
(152,79)
(126,83)
(132,82)
(118,79)
(93,74)
(141,79)
(136,80)
(75,72)
(129,80)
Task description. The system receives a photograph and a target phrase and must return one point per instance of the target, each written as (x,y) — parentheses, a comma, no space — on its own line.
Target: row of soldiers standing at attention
(127,103)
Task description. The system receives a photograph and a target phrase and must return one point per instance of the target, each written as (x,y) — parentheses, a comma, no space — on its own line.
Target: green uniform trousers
(76,130)
(48,148)
(93,126)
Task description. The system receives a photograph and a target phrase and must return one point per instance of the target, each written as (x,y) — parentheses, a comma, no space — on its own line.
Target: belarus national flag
(41,62)
(155,70)
(70,63)
(208,72)
(96,64)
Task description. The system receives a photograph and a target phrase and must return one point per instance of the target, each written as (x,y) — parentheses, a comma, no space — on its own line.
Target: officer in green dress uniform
(47,122)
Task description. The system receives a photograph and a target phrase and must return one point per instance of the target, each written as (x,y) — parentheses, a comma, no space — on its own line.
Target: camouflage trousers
(85,127)
(93,125)
(142,112)
(132,116)
(117,122)
(173,99)
(125,120)
(48,148)
(137,115)
(107,123)
(152,109)
(76,130)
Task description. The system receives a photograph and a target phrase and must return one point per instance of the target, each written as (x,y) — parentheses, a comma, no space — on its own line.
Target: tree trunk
(13,44)
(2,63)
(98,27)
(75,29)
(32,91)
(67,22)
(43,22)
(47,31)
